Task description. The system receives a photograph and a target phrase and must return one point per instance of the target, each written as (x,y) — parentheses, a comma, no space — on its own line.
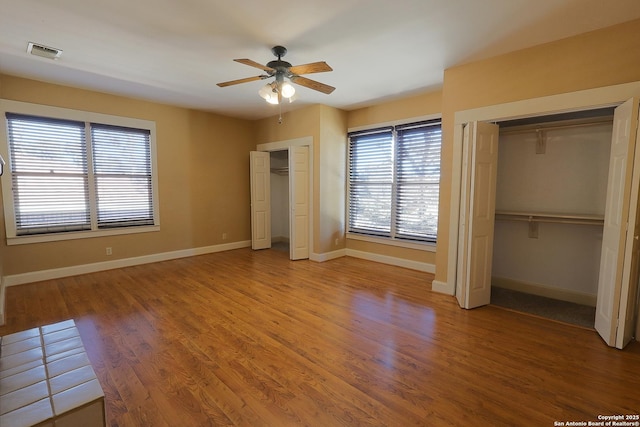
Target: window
(49,177)
(78,176)
(122,173)
(394,180)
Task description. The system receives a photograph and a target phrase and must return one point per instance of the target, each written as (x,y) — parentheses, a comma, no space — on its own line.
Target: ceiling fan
(280,88)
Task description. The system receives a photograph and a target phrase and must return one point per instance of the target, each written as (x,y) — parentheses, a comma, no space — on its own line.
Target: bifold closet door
(618,278)
(260,170)
(477,209)
(299,201)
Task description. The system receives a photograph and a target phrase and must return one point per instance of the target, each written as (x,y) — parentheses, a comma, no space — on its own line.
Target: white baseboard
(36,276)
(443,287)
(545,291)
(327,256)
(385,259)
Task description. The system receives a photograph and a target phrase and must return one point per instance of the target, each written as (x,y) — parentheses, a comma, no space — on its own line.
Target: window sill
(421,246)
(55,237)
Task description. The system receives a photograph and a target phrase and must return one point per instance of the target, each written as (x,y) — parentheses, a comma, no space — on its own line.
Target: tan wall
(203,177)
(398,109)
(304,122)
(333,169)
(415,106)
(198,150)
(297,123)
(328,128)
(596,59)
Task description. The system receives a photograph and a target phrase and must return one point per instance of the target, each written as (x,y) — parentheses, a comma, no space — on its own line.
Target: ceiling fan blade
(255,64)
(314,67)
(312,84)
(245,80)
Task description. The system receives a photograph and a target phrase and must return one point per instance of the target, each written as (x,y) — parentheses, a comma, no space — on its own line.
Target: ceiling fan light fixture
(269,93)
(281,70)
(266,91)
(287,90)
(273,100)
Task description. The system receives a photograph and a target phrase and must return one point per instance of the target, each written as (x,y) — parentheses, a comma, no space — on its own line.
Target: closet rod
(280,171)
(537,128)
(550,218)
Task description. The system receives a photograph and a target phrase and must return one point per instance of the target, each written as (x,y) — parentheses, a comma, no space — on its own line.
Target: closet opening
(280,236)
(551,191)
(288,206)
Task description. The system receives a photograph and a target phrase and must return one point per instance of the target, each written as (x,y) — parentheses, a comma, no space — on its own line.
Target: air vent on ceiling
(43,51)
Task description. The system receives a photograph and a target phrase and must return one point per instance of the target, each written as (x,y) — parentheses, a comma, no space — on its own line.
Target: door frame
(610,96)
(285,145)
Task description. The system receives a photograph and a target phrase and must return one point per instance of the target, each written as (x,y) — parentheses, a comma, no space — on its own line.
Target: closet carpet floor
(280,246)
(563,311)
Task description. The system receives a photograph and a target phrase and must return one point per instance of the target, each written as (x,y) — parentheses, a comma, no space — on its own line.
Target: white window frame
(390,241)
(17,107)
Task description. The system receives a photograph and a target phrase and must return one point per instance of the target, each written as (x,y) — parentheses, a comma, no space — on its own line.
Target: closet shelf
(280,171)
(550,217)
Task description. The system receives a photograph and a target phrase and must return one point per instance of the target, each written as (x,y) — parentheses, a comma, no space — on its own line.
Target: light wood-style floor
(252,339)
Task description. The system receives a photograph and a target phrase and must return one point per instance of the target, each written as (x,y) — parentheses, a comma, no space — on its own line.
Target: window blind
(49,174)
(371,181)
(74,176)
(418,181)
(122,172)
(394,180)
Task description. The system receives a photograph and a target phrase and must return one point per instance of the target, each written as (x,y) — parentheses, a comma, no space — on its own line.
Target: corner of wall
(443,287)
(392,260)
(327,256)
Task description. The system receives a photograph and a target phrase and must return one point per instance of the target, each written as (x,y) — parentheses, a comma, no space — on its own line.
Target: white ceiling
(175,51)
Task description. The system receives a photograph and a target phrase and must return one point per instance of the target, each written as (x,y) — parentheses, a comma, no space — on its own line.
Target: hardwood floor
(252,339)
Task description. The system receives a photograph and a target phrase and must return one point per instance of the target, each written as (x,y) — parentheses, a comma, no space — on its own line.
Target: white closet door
(479,223)
(616,286)
(260,170)
(299,200)
(465,188)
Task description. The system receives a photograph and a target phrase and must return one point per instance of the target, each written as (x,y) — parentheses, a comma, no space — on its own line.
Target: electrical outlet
(108,251)
(336,242)
(224,236)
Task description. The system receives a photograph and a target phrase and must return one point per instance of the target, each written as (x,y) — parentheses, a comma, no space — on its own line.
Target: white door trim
(285,145)
(575,101)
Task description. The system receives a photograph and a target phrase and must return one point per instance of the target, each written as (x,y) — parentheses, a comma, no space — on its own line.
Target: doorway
(550,203)
(280,221)
(470,254)
(281,211)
